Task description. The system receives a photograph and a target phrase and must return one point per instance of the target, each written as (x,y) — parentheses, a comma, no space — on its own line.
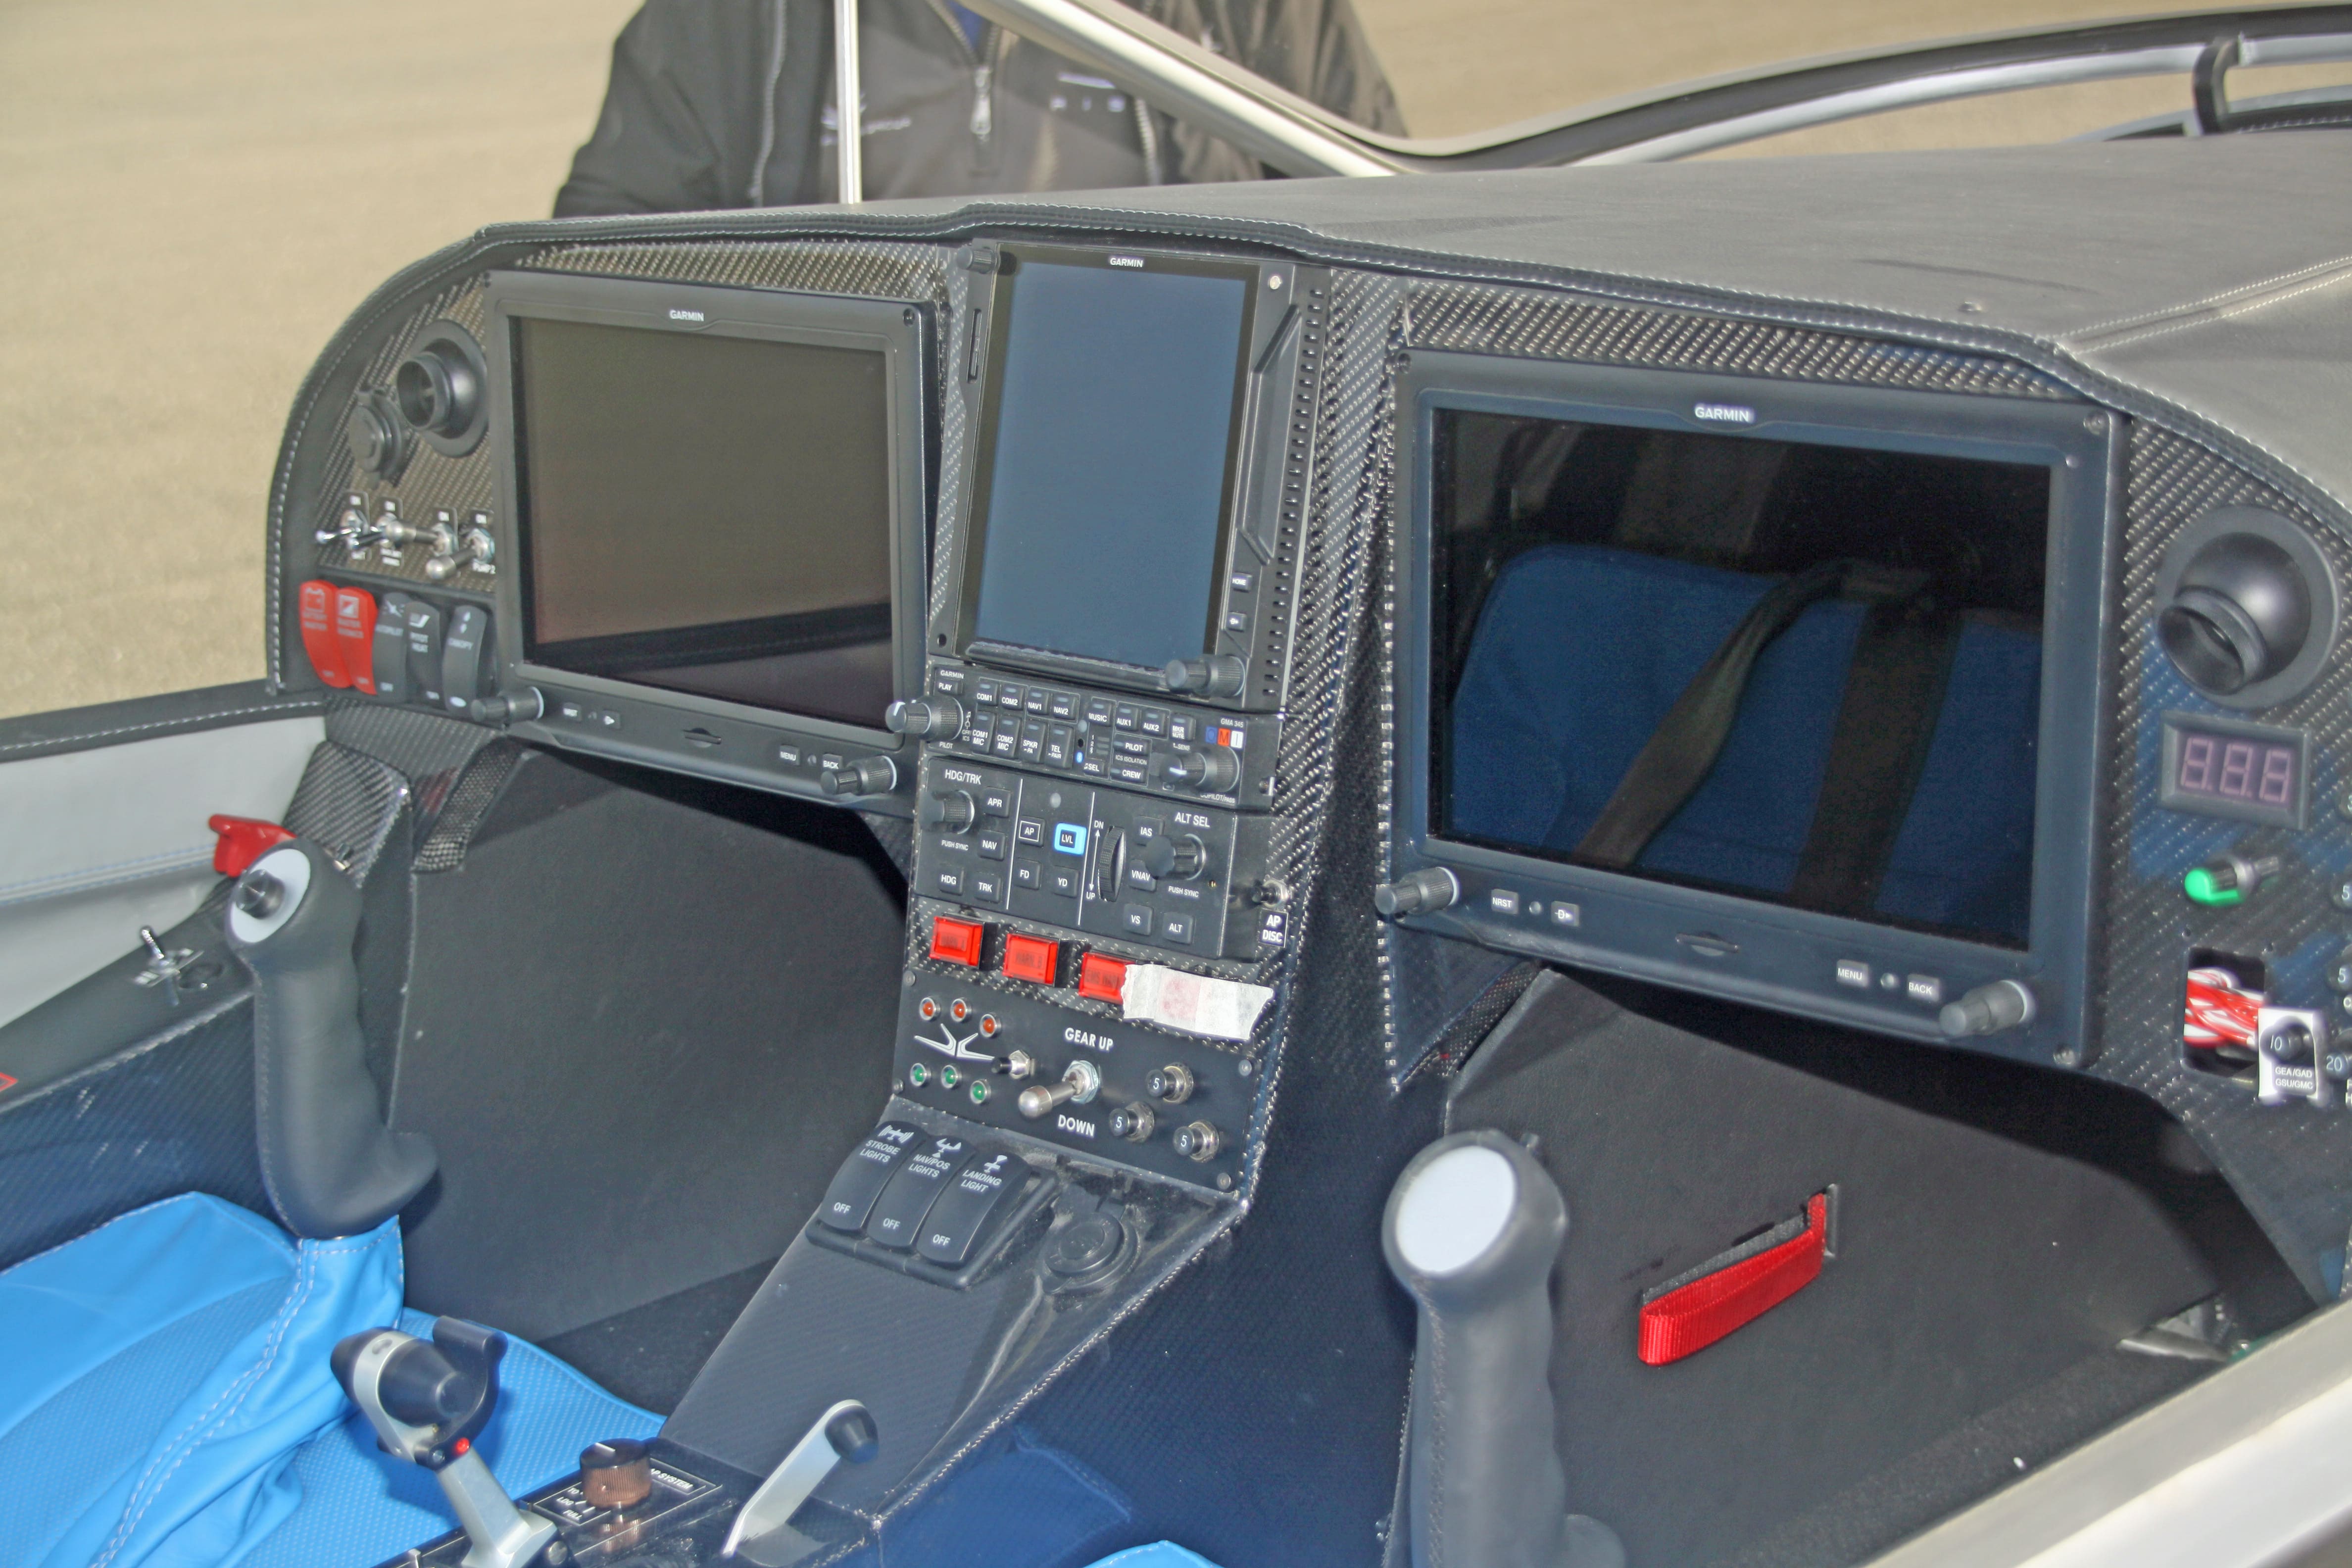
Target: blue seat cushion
(1579,652)
(178,1357)
(173,1407)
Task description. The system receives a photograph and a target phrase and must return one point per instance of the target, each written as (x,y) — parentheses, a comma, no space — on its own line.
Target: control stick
(427,1401)
(331,1165)
(1471,1231)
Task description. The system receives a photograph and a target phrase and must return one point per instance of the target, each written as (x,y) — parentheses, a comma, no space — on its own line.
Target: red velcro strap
(242,841)
(1692,1316)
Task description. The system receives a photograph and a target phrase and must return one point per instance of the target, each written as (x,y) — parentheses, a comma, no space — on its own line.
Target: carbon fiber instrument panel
(2286,1161)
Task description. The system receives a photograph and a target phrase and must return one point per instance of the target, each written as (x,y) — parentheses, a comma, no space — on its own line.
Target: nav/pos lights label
(2224,768)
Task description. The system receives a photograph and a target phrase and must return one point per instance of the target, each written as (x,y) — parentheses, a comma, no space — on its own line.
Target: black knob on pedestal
(954,812)
(1173,1083)
(1179,857)
(867,776)
(1218,674)
(2242,614)
(1212,770)
(931,718)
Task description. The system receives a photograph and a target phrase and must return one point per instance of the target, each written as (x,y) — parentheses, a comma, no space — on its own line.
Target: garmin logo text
(1127,261)
(1724,412)
(686,315)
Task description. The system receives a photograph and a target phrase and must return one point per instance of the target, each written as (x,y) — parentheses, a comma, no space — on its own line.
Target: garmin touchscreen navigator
(1114,414)
(1755,648)
(717,495)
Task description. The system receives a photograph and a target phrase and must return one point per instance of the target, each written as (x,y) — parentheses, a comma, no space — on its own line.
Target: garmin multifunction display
(1107,456)
(1806,673)
(707,513)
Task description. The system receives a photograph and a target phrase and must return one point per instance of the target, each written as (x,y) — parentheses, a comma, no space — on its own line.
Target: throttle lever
(762,1533)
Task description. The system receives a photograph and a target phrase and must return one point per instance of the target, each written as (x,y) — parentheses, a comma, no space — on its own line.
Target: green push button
(918,1075)
(979,1091)
(949,1078)
(2215,888)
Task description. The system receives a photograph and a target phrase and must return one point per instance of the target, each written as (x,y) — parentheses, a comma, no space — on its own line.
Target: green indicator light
(2203,888)
(918,1075)
(949,1078)
(979,1092)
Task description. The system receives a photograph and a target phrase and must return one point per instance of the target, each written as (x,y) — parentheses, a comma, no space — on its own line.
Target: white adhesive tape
(1196,1003)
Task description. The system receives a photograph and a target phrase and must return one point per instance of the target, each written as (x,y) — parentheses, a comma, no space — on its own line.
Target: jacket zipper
(983,72)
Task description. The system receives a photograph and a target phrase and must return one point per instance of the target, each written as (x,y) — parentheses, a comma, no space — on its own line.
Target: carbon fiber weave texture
(2288,1163)
(1531,323)
(348,804)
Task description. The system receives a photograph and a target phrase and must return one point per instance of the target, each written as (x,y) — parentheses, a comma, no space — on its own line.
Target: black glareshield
(1109,454)
(717,495)
(1779,691)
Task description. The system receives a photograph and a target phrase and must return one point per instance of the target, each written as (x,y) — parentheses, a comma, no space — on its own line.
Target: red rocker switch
(317,608)
(1031,958)
(1103,978)
(957,941)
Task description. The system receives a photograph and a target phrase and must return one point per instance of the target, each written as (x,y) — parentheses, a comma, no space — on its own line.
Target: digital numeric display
(2224,768)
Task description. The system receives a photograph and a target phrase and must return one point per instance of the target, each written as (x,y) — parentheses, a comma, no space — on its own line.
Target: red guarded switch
(1031,958)
(1102,978)
(319,632)
(957,941)
(243,840)
(355,635)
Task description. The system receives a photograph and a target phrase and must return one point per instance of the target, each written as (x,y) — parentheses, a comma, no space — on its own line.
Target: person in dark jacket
(728,103)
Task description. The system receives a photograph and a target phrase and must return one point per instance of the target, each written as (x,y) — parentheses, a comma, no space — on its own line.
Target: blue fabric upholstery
(176,1408)
(1158,1554)
(1539,743)
(180,1357)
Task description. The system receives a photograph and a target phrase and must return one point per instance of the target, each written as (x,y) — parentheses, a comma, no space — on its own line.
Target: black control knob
(867,776)
(259,894)
(925,718)
(2242,614)
(1197,1141)
(378,444)
(1173,1083)
(1135,1122)
(1419,893)
(954,812)
(1211,770)
(1988,1010)
(1218,674)
(1181,858)
(437,391)
(513,708)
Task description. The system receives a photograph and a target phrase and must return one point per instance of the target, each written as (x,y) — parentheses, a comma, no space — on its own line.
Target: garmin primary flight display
(1752,687)
(1109,453)
(716,491)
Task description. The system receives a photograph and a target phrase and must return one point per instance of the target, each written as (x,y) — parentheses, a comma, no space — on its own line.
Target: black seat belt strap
(1681,752)
(1885,722)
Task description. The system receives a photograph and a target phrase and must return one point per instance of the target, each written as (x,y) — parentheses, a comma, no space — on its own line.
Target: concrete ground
(198,190)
